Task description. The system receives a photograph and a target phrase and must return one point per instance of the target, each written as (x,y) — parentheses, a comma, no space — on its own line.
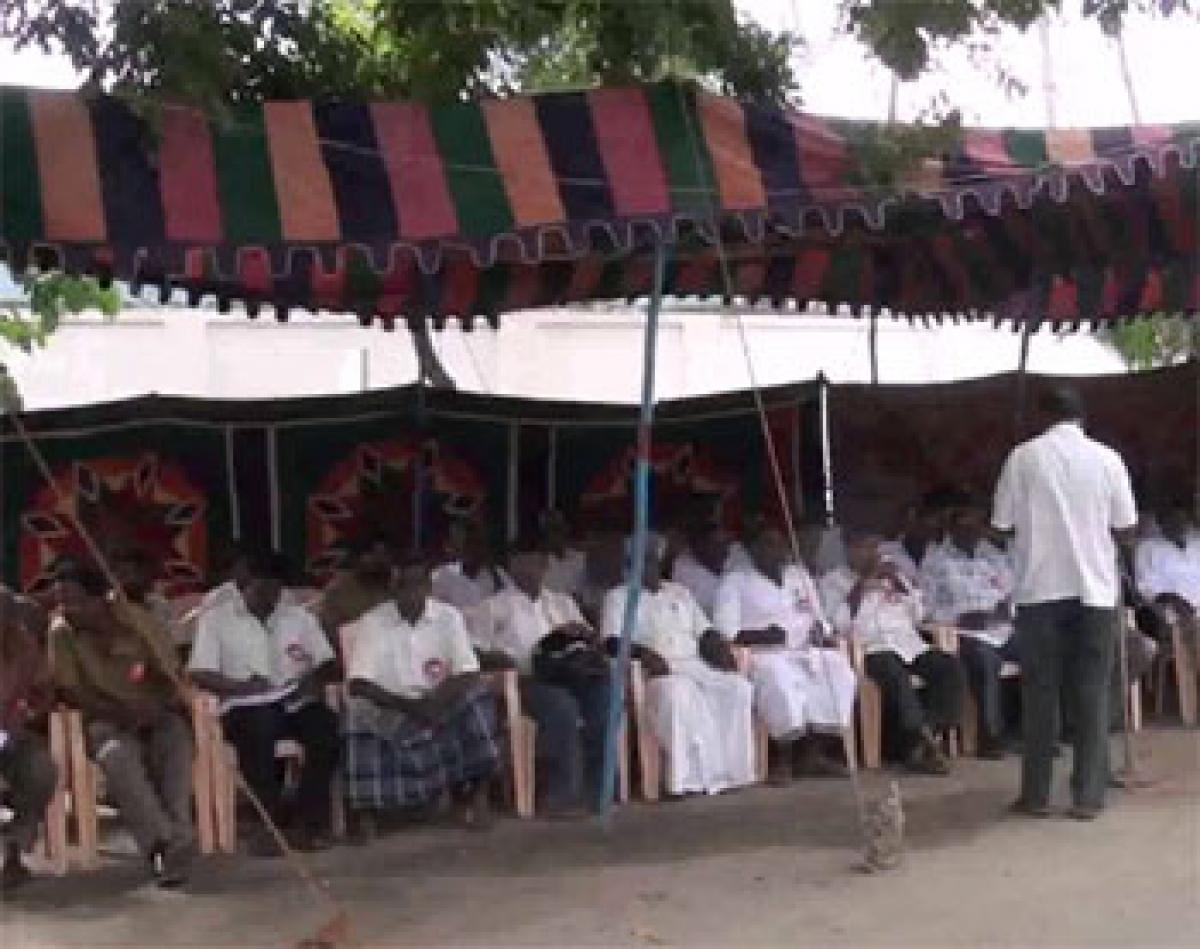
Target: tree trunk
(429,364)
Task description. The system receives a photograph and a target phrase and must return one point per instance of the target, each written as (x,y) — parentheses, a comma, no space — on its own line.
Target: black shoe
(991,749)
(1083,813)
(169,865)
(14,876)
(1023,808)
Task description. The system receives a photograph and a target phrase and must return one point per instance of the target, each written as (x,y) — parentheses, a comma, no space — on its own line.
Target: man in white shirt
(871,603)
(967,584)
(420,720)
(700,706)
(923,529)
(702,563)
(564,678)
(1068,502)
(268,661)
(465,583)
(1168,569)
(565,565)
(802,683)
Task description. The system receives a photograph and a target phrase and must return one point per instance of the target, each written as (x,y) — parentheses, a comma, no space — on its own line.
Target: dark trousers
(1066,649)
(940,705)
(570,738)
(982,662)
(254,730)
(29,772)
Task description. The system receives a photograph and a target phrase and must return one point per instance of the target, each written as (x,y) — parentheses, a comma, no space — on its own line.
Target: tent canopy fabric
(398,209)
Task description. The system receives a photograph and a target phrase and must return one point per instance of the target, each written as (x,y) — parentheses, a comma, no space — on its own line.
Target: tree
(1151,343)
(216,53)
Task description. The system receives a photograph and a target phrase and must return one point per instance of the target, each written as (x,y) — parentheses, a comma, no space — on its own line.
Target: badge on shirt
(137,672)
(299,655)
(435,671)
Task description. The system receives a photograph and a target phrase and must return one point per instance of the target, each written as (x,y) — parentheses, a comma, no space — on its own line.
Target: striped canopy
(399,209)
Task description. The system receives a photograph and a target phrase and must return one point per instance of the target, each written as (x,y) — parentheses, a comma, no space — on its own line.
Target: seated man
(967,584)
(923,529)
(118,668)
(26,693)
(565,565)
(801,682)
(268,661)
(420,720)
(870,602)
(465,583)
(564,677)
(1168,571)
(700,707)
(365,584)
(702,563)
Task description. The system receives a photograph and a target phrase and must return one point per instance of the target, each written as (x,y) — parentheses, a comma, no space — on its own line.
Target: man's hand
(577,631)
(654,664)
(255,685)
(890,573)
(717,652)
(1178,604)
(773,635)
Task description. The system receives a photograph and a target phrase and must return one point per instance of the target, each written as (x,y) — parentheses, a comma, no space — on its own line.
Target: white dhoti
(702,718)
(800,689)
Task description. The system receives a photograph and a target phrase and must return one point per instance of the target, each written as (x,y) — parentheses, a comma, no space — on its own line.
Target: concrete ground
(763,867)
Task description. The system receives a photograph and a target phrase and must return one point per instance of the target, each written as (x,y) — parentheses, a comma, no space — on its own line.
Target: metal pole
(1023,378)
(873,348)
(641,527)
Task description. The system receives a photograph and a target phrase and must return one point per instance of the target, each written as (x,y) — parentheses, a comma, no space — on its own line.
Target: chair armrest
(741,655)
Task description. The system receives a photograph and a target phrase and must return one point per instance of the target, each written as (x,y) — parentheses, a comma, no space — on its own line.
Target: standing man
(1069,503)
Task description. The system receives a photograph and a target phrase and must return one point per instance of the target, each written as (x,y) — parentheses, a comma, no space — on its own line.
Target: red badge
(137,672)
(435,671)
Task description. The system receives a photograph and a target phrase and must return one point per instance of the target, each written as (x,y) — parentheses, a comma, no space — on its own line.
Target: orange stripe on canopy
(72,206)
(306,206)
(414,169)
(738,177)
(522,160)
(1069,146)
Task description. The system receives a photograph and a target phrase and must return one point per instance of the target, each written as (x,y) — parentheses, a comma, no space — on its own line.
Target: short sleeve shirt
(232,642)
(669,620)
(409,659)
(747,599)
(886,620)
(1165,567)
(954,582)
(1064,494)
(512,623)
(701,581)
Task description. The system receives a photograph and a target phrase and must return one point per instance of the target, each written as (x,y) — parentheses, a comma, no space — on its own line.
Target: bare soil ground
(766,867)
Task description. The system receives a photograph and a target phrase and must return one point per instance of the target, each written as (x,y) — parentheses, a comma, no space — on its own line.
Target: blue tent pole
(641,527)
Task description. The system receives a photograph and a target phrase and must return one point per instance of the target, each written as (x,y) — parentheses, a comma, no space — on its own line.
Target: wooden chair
(52,847)
(870,701)
(1180,661)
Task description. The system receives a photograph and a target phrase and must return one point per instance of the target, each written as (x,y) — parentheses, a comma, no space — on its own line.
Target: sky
(840,78)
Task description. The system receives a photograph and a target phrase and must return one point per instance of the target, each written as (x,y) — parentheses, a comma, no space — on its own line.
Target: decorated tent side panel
(890,444)
(163,488)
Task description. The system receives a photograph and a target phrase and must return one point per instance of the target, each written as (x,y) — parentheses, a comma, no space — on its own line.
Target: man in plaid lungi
(420,720)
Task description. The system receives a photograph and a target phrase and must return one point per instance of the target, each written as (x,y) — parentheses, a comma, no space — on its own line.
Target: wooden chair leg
(623,760)
(762,750)
(1134,708)
(524,764)
(225,792)
(83,795)
(202,784)
(54,843)
(848,743)
(649,753)
(1185,676)
(870,716)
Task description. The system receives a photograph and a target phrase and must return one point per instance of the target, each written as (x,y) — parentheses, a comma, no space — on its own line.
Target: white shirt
(701,581)
(514,624)
(1163,567)
(954,582)
(565,574)
(1064,494)
(886,620)
(669,621)
(747,599)
(232,642)
(408,659)
(894,552)
(451,585)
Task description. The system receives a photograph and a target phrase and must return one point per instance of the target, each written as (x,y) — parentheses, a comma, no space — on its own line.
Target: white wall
(568,354)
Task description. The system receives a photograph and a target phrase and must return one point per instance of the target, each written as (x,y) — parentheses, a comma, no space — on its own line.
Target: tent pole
(641,526)
(1023,380)
(873,348)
